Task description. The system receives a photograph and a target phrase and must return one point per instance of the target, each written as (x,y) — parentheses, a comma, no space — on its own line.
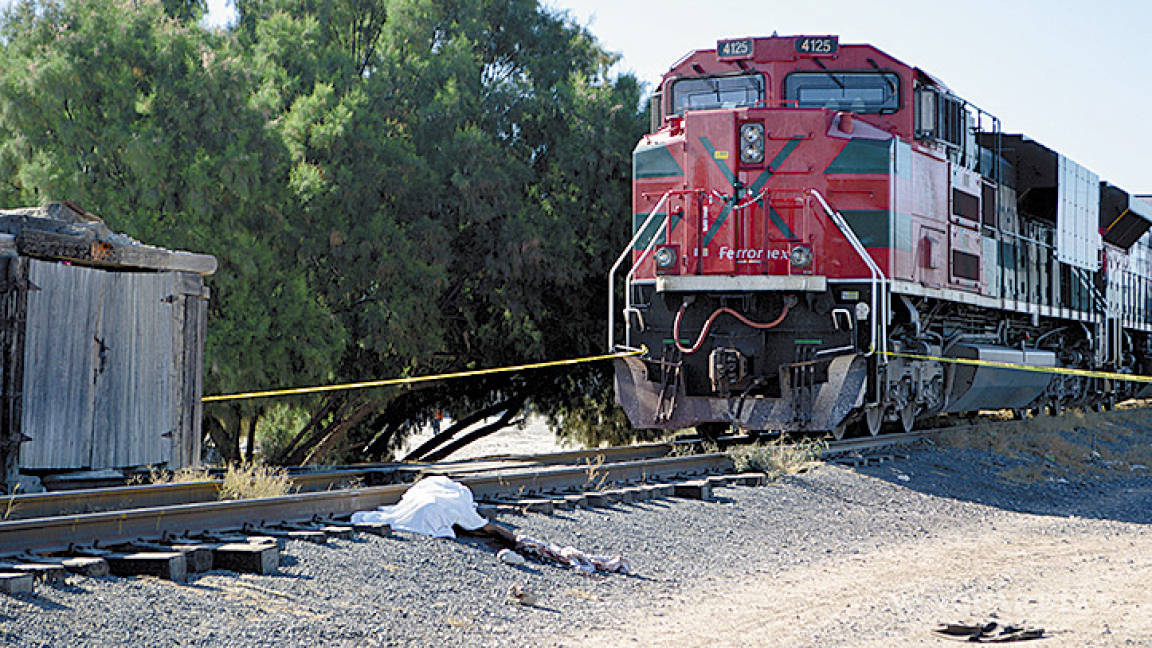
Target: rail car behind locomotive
(818,227)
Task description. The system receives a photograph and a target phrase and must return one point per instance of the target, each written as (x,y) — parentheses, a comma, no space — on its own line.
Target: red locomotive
(818,227)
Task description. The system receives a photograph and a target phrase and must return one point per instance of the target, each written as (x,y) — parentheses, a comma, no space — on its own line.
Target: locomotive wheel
(873,419)
(908,418)
(840,430)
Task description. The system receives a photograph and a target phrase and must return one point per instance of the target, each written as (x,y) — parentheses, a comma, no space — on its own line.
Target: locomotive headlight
(665,258)
(752,143)
(800,256)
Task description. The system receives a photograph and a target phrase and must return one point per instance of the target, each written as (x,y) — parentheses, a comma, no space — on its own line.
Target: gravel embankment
(414,591)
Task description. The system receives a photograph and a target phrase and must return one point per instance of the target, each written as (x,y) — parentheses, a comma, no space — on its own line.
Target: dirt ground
(1085,582)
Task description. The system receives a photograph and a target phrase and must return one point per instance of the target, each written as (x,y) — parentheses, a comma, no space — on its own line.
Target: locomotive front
(762,210)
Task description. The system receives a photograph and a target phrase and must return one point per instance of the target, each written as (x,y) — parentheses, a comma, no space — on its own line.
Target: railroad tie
(622,495)
(698,489)
(197,556)
(40,571)
(337,531)
(15,583)
(373,528)
(247,558)
(295,533)
(596,499)
(169,565)
(561,503)
(577,500)
(536,505)
(748,479)
(92,567)
(660,491)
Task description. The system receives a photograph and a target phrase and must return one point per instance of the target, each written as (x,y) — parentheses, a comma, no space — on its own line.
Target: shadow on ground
(1097,467)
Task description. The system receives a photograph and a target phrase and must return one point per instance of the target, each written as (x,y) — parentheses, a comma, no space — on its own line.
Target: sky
(1072,74)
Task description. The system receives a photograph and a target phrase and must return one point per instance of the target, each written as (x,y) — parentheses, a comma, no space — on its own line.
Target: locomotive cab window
(860,92)
(705,93)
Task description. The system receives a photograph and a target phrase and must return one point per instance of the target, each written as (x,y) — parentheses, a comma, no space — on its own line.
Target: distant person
(436,419)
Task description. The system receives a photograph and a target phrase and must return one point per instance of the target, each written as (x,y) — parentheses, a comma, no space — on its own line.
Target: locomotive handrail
(879,280)
(616,266)
(631,274)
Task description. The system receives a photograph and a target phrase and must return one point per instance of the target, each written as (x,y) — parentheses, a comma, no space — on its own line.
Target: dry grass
(158,475)
(687,449)
(594,478)
(253,481)
(781,457)
(11,505)
(1075,443)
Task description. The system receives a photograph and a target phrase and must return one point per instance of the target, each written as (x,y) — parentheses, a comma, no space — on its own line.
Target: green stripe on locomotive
(655,162)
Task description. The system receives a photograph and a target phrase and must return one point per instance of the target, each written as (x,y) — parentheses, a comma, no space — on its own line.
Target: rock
(518,595)
(509,557)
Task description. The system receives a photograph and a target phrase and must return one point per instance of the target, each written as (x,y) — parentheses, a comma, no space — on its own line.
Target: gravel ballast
(407,590)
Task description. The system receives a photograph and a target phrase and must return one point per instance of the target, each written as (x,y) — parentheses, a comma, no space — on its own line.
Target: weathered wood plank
(61,356)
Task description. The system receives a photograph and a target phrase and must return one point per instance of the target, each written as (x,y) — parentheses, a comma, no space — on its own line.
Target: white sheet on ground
(430,507)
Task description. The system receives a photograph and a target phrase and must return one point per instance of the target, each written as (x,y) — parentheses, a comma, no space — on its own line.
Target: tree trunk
(475,417)
(513,408)
(330,403)
(220,438)
(328,441)
(250,423)
(317,434)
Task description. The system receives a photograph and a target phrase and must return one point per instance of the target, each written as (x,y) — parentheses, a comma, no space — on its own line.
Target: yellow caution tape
(1067,371)
(416,379)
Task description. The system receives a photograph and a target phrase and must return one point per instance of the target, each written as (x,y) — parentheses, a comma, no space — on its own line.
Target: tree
(471,152)
(147,120)
(392,187)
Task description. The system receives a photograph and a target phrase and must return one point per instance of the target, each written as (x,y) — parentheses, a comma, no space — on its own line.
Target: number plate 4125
(817,46)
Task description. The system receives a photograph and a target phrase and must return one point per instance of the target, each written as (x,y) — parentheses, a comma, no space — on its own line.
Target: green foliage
(277,427)
(391,187)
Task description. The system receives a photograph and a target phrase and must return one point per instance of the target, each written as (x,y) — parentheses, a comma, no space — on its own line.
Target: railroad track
(96,500)
(167,530)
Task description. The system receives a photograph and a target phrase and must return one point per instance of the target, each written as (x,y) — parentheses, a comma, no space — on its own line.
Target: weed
(594,479)
(780,457)
(11,503)
(689,449)
(254,480)
(157,475)
(1075,443)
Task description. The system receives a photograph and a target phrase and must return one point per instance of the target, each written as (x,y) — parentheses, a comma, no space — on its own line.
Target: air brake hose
(788,303)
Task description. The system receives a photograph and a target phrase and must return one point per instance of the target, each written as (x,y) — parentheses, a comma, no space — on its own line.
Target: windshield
(862,92)
(704,93)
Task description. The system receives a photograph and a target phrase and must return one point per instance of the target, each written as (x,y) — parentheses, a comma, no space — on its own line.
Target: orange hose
(712,318)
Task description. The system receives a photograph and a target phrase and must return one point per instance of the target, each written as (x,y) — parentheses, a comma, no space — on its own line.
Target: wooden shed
(101,345)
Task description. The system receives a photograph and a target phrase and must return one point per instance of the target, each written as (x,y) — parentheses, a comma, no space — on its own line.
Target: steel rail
(95,500)
(879,441)
(64,533)
(59,503)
